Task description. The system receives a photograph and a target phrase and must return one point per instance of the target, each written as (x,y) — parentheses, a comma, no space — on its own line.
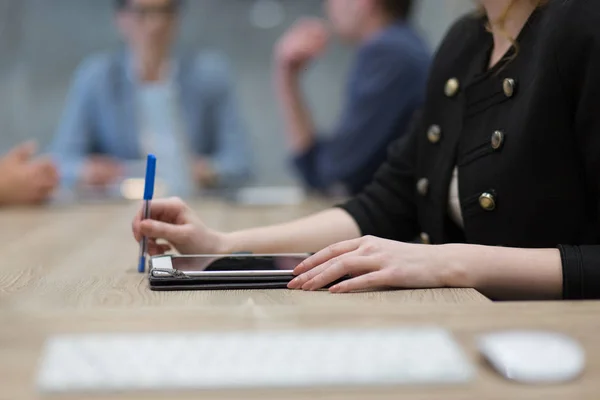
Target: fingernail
(294,283)
(334,289)
(307,286)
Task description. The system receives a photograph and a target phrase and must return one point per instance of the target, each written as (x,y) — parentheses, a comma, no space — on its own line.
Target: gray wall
(42,41)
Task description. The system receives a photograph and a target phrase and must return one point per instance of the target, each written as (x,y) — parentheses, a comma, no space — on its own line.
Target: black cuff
(573,274)
(359,214)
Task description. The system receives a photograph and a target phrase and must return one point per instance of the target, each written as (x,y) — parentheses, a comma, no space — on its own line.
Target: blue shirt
(385,88)
(161,127)
(102,116)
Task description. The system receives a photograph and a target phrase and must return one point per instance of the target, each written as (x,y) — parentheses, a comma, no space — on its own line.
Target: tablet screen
(238,263)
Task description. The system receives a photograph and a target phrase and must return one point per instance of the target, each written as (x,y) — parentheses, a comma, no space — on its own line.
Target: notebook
(264,359)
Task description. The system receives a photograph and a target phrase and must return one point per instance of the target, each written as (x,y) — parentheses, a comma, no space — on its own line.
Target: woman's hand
(372,263)
(173,221)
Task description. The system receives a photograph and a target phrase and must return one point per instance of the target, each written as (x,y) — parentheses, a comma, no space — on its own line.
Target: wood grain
(22,340)
(72,269)
(85,257)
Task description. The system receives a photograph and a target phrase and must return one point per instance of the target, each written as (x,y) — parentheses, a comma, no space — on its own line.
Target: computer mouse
(533,356)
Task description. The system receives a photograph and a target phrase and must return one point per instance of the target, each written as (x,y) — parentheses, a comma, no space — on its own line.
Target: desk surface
(85,257)
(73,270)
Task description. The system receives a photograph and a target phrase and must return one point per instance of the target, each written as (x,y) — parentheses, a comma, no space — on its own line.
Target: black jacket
(525,136)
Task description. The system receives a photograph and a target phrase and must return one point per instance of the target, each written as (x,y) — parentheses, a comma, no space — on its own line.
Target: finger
(302,279)
(51,171)
(46,176)
(150,242)
(43,194)
(160,230)
(49,178)
(158,249)
(326,254)
(153,242)
(43,184)
(166,210)
(352,265)
(135,227)
(313,23)
(172,210)
(377,279)
(317,36)
(137,219)
(23,152)
(44,163)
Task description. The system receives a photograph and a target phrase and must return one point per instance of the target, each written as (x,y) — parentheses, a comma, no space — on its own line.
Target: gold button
(509,86)
(487,201)
(434,134)
(423,186)
(452,86)
(425,239)
(497,140)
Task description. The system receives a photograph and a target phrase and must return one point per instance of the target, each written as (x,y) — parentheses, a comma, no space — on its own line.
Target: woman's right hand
(171,220)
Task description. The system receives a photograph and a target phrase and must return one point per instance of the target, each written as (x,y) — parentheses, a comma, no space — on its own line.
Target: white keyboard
(133,362)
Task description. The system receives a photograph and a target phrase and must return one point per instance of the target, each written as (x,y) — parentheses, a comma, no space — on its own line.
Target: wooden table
(85,257)
(72,270)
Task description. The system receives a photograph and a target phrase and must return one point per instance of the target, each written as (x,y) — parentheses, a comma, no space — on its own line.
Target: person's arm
(499,273)
(577,52)
(297,118)
(231,162)
(74,136)
(386,88)
(305,235)
(302,43)
(173,221)
(502,273)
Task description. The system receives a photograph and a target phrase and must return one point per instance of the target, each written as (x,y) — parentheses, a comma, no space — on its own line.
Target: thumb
(23,152)
(160,230)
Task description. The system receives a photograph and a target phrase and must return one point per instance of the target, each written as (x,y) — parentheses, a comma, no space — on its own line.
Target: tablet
(237,271)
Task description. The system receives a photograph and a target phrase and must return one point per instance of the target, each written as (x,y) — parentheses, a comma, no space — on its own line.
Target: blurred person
(147,98)
(24,179)
(501,174)
(385,88)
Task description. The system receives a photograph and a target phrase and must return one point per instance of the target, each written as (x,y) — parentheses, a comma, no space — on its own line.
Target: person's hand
(204,174)
(171,220)
(303,42)
(25,180)
(372,263)
(101,171)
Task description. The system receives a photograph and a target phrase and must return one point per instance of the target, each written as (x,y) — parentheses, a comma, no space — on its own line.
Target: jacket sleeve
(386,88)
(387,207)
(75,135)
(578,60)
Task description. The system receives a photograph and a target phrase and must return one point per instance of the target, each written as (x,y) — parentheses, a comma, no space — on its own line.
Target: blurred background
(43,41)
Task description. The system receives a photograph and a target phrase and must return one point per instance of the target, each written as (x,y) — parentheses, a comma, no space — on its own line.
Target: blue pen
(148,193)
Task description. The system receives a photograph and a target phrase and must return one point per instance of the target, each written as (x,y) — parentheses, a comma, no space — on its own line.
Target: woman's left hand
(372,263)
